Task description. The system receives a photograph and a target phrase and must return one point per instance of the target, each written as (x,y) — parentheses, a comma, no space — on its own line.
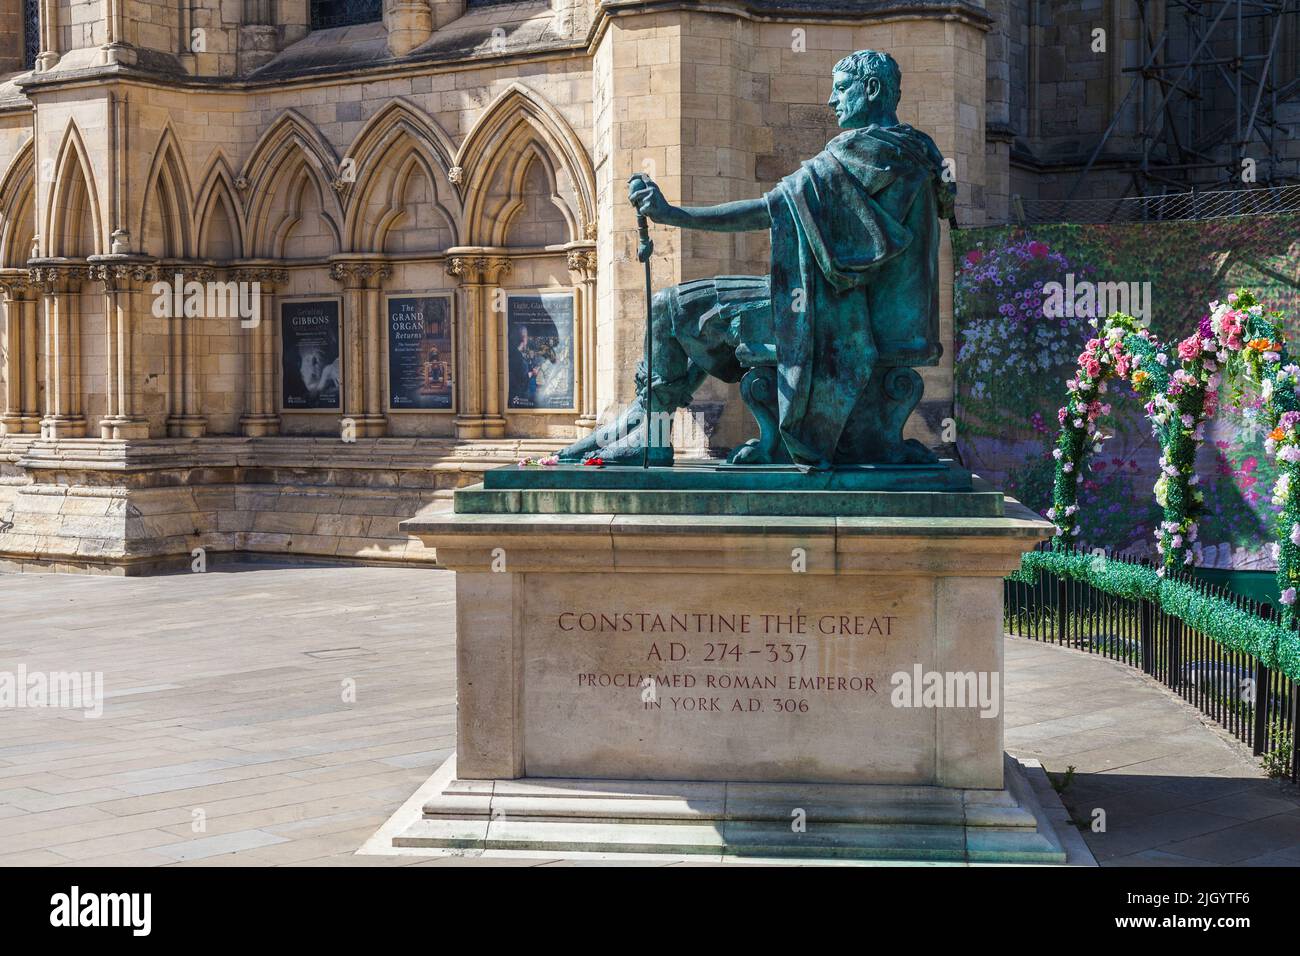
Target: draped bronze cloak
(855,276)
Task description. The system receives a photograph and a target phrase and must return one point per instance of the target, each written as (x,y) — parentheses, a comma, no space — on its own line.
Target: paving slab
(279,715)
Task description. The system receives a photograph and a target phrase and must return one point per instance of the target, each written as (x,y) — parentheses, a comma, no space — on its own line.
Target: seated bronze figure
(825,346)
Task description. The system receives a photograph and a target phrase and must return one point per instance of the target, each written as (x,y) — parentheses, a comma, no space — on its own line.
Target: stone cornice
(441,60)
(854,12)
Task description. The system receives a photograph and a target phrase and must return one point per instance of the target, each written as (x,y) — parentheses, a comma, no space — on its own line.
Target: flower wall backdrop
(1023,301)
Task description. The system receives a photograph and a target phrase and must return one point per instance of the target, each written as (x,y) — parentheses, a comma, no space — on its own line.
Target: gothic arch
(397,209)
(517,175)
(519,120)
(18,208)
(168,196)
(218,203)
(73,224)
(397,143)
(290,156)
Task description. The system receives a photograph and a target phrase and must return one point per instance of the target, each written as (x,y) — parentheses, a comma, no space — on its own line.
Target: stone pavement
(1175,789)
(271,715)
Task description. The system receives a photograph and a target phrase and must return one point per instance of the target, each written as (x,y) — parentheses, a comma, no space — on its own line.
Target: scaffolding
(1206,99)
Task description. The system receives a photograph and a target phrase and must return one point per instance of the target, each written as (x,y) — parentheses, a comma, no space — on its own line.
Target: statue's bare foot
(630,450)
(605,436)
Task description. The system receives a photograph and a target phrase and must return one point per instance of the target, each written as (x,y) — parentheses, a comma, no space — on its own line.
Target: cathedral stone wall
(472,155)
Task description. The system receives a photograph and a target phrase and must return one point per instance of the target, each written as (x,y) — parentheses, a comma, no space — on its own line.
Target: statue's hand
(649,201)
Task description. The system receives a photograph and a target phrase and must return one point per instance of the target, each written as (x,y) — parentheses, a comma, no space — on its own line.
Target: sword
(645,248)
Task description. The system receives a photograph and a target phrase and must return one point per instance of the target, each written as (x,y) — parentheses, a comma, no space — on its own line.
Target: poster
(539,351)
(420,363)
(309,335)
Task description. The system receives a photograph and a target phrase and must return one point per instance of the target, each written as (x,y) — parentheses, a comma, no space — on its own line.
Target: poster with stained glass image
(539,352)
(420,358)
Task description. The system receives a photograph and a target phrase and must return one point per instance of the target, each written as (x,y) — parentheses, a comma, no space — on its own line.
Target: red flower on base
(595,462)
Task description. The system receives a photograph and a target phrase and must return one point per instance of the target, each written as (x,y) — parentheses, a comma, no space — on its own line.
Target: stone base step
(845,822)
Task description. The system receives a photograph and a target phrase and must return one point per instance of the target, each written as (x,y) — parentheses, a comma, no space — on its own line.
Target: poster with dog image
(310,335)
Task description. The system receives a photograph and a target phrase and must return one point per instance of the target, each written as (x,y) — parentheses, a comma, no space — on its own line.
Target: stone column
(261,417)
(479,338)
(469,352)
(20,415)
(258,35)
(376,349)
(116,48)
(185,419)
(582,263)
(49,53)
(122,283)
(410,23)
(445,11)
(494,269)
(361,345)
(60,284)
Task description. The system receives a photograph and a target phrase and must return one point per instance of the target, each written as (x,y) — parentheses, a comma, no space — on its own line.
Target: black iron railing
(1255,703)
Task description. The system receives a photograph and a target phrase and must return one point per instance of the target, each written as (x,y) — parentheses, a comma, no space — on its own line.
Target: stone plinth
(855,661)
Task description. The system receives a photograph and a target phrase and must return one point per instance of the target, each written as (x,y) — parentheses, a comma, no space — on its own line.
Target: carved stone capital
(459,267)
(120,275)
(188,271)
(583,262)
(268,277)
(112,276)
(479,269)
(360,274)
(51,277)
(14,285)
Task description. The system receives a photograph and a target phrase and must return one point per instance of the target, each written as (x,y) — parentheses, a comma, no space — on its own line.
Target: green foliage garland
(1273,643)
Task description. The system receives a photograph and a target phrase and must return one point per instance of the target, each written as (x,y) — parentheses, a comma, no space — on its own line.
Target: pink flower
(1288,597)
(1189,348)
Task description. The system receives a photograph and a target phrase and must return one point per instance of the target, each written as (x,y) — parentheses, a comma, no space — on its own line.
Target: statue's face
(851,99)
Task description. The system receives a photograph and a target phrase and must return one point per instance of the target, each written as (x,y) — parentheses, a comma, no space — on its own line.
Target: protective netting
(1171,207)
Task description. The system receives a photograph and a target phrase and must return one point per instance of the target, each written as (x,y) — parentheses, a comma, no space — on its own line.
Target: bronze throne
(874,432)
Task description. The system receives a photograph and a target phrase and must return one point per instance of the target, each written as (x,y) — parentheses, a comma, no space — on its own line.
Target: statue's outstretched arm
(745,215)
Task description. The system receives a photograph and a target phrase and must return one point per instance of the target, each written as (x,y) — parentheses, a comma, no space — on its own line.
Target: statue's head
(864,89)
